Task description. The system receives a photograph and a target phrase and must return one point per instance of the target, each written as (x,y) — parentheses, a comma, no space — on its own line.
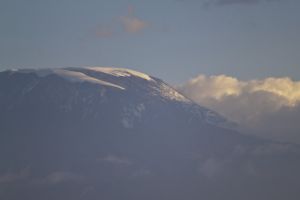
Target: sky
(171,39)
(237,57)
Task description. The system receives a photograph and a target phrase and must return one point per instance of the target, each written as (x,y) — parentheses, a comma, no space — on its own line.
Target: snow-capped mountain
(110,133)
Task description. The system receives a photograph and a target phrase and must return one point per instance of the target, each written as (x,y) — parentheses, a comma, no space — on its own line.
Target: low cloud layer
(268,107)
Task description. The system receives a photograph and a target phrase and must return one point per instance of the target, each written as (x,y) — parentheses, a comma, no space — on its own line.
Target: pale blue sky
(171,39)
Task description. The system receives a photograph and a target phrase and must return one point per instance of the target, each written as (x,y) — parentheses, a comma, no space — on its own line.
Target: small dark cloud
(209,3)
(241,2)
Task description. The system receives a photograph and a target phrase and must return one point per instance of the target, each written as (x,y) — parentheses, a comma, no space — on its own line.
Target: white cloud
(268,107)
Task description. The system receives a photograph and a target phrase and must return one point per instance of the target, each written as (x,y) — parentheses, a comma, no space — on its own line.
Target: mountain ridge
(108,77)
(86,133)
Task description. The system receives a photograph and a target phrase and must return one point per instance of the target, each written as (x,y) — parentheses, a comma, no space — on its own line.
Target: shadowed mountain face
(105,133)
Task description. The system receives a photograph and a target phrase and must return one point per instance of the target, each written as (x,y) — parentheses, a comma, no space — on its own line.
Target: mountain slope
(90,133)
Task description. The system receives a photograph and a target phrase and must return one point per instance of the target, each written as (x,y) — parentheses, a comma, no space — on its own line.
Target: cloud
(113,159)
(211,167)
(230,2)
(235,2)
(57,177)
(87,190)
(268,107)
(275,149)
(131,23)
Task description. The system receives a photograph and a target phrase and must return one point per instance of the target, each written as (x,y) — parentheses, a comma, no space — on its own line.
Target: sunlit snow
(119,72)
(81,77)
(69,75)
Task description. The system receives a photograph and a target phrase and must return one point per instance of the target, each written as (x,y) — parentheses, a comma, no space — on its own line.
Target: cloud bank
(268,107)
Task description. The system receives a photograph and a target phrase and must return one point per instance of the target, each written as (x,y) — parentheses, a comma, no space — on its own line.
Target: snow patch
(73,76)
(81,77)
(170,93)
(132,114)
(38,72)
(120,72)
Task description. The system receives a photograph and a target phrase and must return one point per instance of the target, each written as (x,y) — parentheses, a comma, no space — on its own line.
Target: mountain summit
(101,85)
(110,133)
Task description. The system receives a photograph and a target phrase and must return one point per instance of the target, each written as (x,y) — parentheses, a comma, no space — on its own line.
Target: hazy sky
(172,39)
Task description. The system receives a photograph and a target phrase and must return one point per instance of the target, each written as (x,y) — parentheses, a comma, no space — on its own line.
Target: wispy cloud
(133,24)
(113,159)
(57,177)
(268,107)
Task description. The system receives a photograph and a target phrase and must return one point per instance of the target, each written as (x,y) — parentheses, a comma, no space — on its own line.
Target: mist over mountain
(267,108)
(108,133)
